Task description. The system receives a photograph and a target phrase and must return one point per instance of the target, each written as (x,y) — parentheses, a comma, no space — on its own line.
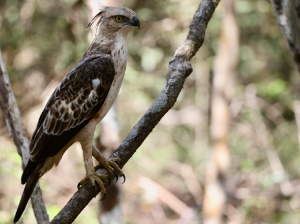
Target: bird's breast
(119,56)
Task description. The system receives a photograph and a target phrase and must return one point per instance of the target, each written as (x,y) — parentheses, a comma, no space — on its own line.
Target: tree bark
(222,91)
(179,69)
(288,16)
(16,129)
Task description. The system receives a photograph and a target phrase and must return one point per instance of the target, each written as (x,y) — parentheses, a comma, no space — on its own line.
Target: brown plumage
(80,101)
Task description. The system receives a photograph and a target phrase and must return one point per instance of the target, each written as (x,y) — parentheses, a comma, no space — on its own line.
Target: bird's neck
(119,53)
(107,41)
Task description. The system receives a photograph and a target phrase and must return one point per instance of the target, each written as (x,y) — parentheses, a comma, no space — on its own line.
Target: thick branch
(288,16)
(179,69)
(14,124)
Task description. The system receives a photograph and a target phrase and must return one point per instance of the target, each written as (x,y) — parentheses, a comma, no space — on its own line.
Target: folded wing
(72,105)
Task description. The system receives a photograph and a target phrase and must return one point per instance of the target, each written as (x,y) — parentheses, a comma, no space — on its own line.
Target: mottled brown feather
(60,121)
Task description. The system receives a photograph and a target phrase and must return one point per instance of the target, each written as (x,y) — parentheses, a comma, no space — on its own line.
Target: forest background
(41,41)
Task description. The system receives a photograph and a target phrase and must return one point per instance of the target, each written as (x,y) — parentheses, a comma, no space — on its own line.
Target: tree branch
(14,124)
(288,16)
(179,69)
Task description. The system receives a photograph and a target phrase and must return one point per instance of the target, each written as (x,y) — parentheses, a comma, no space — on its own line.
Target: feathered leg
(89,167)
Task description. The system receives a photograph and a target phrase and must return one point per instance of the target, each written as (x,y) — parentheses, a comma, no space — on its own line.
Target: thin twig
(165,196)
(179,69)
(14,124)
(264,141)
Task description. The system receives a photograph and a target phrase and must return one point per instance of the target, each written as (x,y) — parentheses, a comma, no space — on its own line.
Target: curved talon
(123,175)
(78,185)
(116,174)
(112,167)
(103,197)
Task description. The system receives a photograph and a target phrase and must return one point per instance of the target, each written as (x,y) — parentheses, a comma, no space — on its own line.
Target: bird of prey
(80,102)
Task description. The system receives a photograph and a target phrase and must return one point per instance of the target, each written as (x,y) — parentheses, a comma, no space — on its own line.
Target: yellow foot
(98,179)
(112,168)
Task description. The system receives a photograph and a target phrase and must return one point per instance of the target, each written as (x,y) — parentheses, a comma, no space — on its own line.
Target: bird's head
(115,19)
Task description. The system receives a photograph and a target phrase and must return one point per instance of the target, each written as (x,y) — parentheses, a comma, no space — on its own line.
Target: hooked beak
(135,22)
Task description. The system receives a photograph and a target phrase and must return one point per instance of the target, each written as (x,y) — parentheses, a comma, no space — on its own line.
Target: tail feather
(30,166)
(31,182)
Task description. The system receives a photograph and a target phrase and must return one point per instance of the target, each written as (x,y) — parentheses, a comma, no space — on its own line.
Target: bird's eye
(119,18)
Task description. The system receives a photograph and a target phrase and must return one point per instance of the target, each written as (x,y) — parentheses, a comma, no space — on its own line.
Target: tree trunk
(224,72)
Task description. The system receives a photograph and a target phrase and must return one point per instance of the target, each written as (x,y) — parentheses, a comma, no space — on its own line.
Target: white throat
(119,51)
(119,56)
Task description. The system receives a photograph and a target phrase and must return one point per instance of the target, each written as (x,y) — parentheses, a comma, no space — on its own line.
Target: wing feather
(72,105)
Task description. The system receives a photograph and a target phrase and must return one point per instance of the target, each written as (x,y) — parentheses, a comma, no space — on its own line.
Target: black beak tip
(136,22)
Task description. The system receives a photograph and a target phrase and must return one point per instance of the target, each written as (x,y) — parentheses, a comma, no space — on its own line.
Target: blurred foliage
(42,40)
